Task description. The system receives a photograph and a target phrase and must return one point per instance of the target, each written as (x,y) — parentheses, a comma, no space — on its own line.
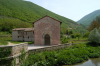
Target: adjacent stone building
(47,31)
(23,34)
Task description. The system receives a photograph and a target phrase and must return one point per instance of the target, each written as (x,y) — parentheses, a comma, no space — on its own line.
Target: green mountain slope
(86,20)
(24,11)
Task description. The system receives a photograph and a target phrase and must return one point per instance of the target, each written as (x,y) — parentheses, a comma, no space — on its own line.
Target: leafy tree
(94,24)
(94,36)
(78,35)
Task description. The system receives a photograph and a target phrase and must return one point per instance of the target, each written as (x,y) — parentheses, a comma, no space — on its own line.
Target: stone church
(46,31)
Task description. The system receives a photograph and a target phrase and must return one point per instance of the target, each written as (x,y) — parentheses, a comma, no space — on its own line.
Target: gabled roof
(24,29)
(49,17)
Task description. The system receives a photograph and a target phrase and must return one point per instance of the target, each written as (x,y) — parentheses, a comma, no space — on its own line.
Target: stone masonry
(47,26)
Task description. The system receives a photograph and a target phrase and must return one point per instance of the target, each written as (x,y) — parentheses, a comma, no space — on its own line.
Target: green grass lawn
(75,40)
(4,33)
(5,40)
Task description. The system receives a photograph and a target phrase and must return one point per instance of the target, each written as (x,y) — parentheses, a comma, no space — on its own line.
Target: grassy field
(5,40)
(4,33)
(76,41)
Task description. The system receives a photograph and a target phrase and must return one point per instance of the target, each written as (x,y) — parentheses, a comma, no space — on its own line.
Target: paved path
(31,46)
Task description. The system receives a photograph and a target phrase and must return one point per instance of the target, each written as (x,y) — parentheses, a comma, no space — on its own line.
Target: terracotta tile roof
(24,29)
(47,16)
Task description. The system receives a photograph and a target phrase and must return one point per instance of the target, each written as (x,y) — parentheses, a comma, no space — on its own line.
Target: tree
(78,35)
(94,36)
(94,24)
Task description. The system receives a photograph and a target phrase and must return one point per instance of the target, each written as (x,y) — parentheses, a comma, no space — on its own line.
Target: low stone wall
(16,49)
(15,53)
(51,48)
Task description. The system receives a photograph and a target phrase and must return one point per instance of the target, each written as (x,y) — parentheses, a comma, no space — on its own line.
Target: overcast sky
(72,9)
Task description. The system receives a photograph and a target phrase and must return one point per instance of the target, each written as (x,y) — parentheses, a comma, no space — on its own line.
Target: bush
(64,40)
(93,55)
(61,60)
(51,61)
(33,58)
(85,57)
(78,60)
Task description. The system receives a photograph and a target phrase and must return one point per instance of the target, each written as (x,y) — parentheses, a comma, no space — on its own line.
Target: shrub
(78,60)
(41,63)
(51,61)
(64,40)
(93,55)
(66,59)
(61,60)
(33,58)
(85,57)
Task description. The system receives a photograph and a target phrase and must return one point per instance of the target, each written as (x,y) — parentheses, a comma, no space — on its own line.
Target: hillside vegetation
(86,20)
(19,13)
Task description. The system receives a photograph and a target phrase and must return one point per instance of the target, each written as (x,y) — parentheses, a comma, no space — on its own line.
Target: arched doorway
(47,39)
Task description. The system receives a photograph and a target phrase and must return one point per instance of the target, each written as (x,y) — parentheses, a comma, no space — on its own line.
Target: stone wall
(51,48)
(15,52)
(16,49)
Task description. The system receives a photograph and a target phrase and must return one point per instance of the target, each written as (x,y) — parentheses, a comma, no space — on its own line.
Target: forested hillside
(86,20)
(19,13)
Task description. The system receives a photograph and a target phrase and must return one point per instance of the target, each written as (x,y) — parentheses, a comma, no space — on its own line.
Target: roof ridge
(47,16)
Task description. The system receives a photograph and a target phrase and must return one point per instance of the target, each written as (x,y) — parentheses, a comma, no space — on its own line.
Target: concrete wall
(15,35)
(48,26)
(28,36)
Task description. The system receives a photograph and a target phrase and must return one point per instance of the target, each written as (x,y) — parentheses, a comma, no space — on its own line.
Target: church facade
(47,31)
